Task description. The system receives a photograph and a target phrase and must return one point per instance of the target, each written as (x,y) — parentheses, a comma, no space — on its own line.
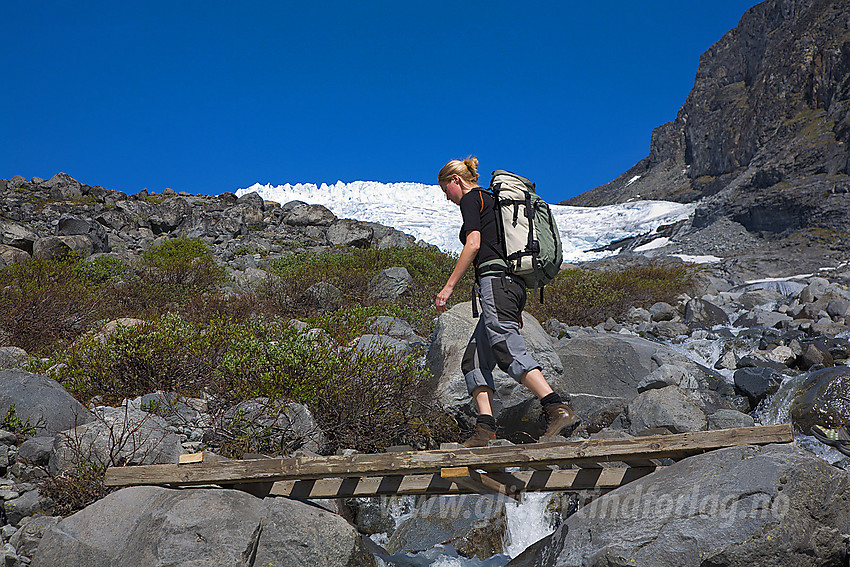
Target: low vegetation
(201,338)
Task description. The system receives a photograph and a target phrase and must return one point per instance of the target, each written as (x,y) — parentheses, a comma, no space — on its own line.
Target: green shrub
(75,489)
(99,270)
(363,401)
(45,303)
(351,270)
(185,262)
(583,297)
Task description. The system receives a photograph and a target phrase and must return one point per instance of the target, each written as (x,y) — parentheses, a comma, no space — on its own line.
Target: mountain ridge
(762,138)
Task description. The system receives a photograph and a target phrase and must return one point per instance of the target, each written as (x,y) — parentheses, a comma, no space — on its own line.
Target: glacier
(423,211)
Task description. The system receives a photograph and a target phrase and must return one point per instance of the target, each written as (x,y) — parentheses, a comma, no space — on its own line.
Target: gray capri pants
(496,339)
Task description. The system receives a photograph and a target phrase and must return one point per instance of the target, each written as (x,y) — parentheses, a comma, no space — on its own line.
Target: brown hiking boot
(560,417)
(480,438)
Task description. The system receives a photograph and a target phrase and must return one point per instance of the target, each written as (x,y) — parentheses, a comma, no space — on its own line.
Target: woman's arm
(467,255)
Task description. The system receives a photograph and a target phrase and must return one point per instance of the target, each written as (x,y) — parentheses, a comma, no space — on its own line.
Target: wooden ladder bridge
(593,464)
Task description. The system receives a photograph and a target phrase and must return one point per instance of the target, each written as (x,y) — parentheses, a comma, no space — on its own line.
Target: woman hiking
(496,339)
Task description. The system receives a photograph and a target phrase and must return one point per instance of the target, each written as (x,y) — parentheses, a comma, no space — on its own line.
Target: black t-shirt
(476,207)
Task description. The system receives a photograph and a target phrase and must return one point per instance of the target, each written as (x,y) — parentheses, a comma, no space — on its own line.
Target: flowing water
(527,522)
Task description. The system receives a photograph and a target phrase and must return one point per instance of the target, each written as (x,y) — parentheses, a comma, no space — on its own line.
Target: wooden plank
(480,483)
(418,462)
(191,458)
(434,484)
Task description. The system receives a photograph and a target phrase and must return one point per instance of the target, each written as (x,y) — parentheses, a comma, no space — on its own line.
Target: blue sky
(211,96)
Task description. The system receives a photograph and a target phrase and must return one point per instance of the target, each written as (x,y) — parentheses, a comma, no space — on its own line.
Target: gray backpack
(528,229)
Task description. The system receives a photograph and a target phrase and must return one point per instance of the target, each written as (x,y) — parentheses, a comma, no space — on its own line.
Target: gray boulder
(350,233)
(768,506)
(705,313)
(253,198)
(757,382)
(474,524)
(63,187)
(155,527)
(18,236)
(379,343)
(664,410)
(750,299)
(823,398)
(309,215)
(12,357)
(758,318)
(41,401)
(288,426)
(729,419)
(322,297)
(27,504)
(172,212)
(451,335)
(139,211)
(117,436)
(390,284)
(396,328)
(662,312)
(70,225)
(30,531)
(10,255)
(36,450)
(602,373)
(59,246)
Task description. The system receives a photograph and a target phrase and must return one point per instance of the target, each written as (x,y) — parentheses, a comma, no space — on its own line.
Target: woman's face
(452,189)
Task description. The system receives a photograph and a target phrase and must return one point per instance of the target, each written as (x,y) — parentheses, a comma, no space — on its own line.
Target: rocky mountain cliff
(762,138)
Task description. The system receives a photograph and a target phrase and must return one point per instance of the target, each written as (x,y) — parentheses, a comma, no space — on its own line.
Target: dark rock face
(824,399)
(773,505)
(763,136)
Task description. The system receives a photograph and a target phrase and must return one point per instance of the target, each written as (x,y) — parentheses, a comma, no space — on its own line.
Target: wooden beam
(435,484)
(419,462)
(481,482)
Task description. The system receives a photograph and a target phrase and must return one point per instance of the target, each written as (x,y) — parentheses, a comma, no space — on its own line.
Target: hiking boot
(560,417)
(838,437)
(481,437)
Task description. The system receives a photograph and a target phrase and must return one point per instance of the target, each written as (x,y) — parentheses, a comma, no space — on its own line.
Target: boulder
(451,335)
(288,426)
(704,313)
(27,504)
(30,531)
(750,299)
(350,233)
(397,328)
(729,419)
(602,373)
(41,401)
(117,436)
(757,382)
(36,450)
(172,212)
(474,524)
(773,505)
(758,318)
(59,246)
(17,236)
(70,225)
(390,284)
(309,215)
(823,398)
(664,410)
(63,187)
(10,255)
(194,527)
(12,357)
(322,297)
(378,343)
(253,198)
(662,312)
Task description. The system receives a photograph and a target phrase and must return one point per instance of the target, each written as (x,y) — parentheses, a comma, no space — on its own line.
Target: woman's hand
(443,297)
